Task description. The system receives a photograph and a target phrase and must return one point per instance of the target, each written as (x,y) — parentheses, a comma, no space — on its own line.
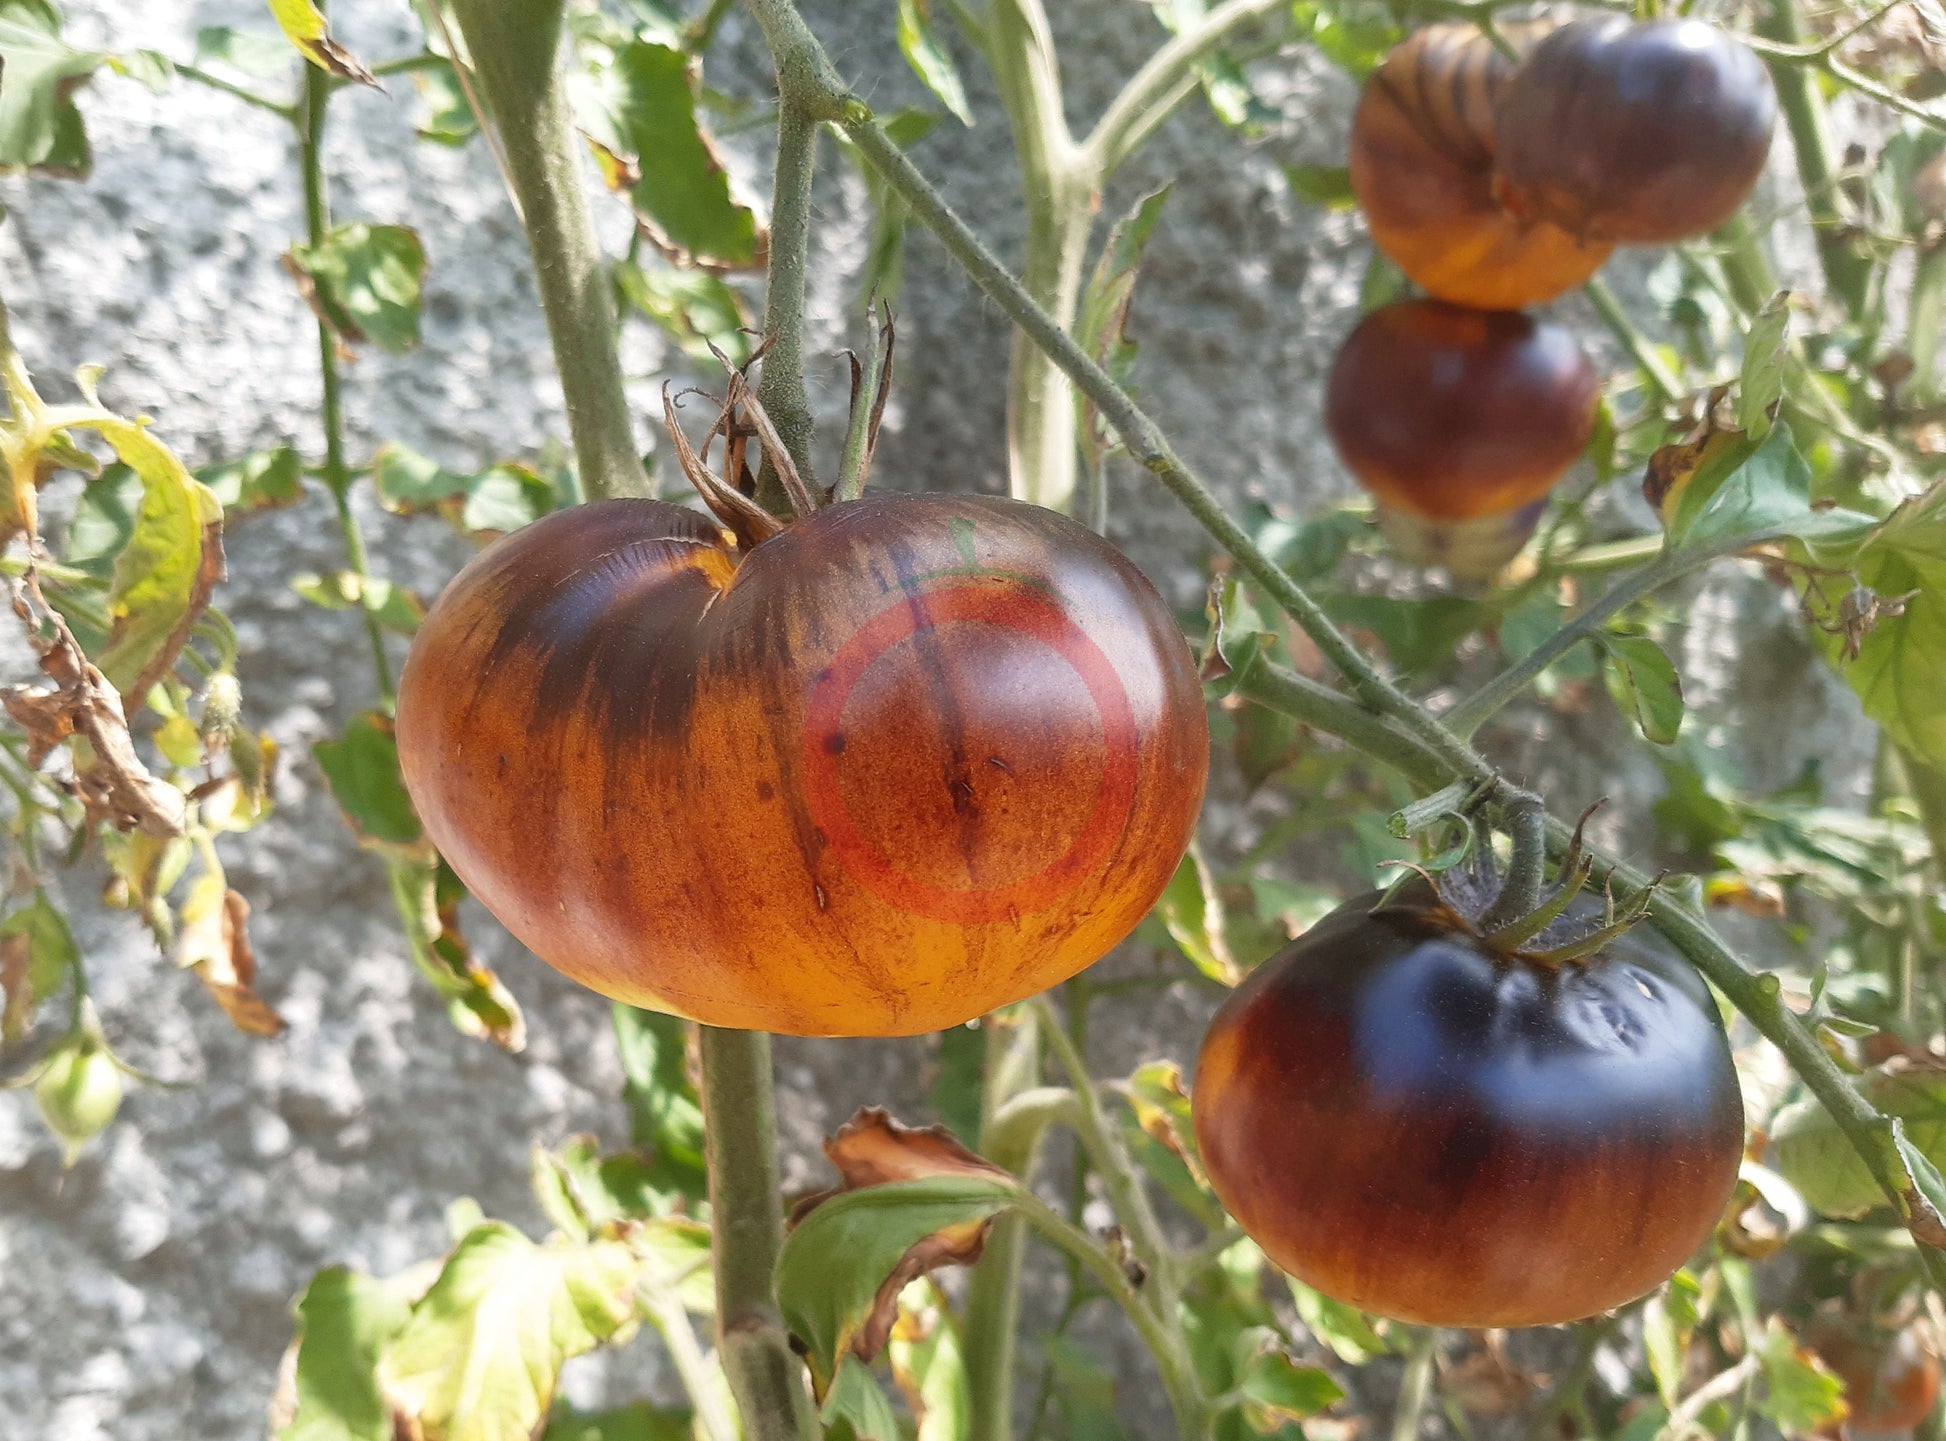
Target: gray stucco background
(145,1293)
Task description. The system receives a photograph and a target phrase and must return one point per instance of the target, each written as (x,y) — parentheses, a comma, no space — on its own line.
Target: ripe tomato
(910,759)
(1640,132)
(1459,422)
(1422,152)
(1891,1379)
(1428,1130)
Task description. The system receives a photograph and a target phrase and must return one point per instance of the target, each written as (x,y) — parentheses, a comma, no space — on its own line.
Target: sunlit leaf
(214,942)
(1765,351)
(304,26)
(479,1358)
(448,118)
(1277,1391)
(1345,1329)
(1192,910)
(1899,671)
(665,1115)
(1815,1156)
(1800,1394)
(364,282)
(926,53)
(637,1422)
(362,769)
(1326,185)
(929,1366)
(37,954)
(694,308)
(343,1320)
(427,895)
(1736,496)
(265,480)
(637,102)
(1645,685)
(497,500)
(39,124)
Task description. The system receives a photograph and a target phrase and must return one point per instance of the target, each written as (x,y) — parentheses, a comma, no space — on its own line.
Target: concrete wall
(144,1294)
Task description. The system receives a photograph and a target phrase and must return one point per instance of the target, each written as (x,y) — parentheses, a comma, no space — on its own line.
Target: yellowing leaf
(480,1356)
(215,943)
(305,27)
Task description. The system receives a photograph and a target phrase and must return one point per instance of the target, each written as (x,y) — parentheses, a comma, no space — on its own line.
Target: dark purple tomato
(1619,130)
(1428,1130)
(1451,414)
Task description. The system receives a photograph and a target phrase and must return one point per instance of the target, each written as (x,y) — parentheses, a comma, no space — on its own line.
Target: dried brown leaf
(216,944)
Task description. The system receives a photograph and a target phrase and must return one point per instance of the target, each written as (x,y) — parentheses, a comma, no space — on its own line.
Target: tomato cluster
(1495,184)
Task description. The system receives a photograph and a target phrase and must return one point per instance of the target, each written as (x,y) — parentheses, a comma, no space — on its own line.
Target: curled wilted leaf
(110,778)
(215,943)
(912,1200)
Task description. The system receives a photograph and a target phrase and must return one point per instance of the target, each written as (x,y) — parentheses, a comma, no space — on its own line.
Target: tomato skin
(1451,414)
(1891,1380)
(911,759)
(1642,132)
(1422,155)
(1427,1131)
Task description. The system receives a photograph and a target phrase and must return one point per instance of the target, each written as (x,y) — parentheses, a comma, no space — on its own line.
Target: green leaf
(637,102)
(1276,1391)
(1745,496)
(1101,326)
(344,1319)
(1419,635)
(449,120)
(1899,672)
(479,1358)
(1326,185)
(1667,1322)
(364,282)
(637,1422)
(362,770)
(255,53)
(694,308)
(265,480)
(833,1265)
(37,954)
(498,500)
(1192,911)
(665,1115)
(856,1409)
(427,895)
(955,1092)
(165,571)
(1644,683)
(1799,1394)
(1765,350)
(40,127)
(1809,1150)
(926,53)
(392,606)
(1084,1390)
(1345,1329)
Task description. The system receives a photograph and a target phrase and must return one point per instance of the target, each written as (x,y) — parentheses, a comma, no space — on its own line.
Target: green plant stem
(1924,316)
(1467,717)
(1847,273)
(1415,1387)
(337,475)
(1160,85)
(1655,370)
(515,49)
(1015,1112)
(747,1224)
(288,113)
(781,387)
(699,35)
(671,1318)
(1058,188)
(1165,1344)
(1747,272)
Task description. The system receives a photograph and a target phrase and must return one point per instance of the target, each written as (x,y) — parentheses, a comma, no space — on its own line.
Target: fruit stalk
(515,49)
(1847,273)
(309,120)
(747,1219)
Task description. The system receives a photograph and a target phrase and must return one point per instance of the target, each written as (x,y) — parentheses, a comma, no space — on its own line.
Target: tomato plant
(782,755)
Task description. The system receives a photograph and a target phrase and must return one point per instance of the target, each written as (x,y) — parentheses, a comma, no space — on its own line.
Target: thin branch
(288,113)
(1654,368)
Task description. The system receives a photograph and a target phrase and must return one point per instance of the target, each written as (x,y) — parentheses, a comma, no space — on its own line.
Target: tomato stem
(781,386)
(747,1226)
(515,49)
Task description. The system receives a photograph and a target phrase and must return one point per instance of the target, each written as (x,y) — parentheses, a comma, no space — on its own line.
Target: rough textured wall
(144,1294)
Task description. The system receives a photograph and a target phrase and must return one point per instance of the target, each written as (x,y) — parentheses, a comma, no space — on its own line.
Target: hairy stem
(781,387)
(337,474)
(1015,1111)
(1468,716)
(747,1222)
(1655,370)
(1847,273)
(516,50)
(1058,189)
